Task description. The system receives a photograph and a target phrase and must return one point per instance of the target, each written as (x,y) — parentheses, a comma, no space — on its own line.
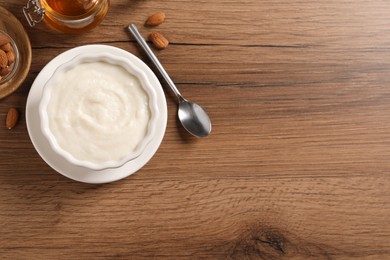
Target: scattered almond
(155,19)
(12,118)
(159,41)
(4,39)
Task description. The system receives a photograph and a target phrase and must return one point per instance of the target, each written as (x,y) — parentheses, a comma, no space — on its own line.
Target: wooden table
(297,165)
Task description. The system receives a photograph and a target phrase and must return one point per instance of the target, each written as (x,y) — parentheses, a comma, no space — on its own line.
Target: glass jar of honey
(69,16)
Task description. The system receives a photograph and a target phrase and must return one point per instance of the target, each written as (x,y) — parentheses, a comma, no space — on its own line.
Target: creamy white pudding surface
(98,112)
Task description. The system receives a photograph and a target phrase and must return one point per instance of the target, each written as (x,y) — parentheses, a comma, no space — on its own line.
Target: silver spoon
(192,116)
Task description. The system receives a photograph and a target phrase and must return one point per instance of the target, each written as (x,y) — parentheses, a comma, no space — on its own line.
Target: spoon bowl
(192,116)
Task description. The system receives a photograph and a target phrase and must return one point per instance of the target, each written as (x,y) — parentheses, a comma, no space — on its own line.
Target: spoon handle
(133,29)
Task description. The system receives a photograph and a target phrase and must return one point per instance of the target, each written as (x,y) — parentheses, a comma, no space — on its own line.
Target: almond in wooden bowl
(15,73)
(9,57)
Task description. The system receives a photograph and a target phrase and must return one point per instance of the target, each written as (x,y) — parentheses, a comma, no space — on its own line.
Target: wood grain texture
(297,166)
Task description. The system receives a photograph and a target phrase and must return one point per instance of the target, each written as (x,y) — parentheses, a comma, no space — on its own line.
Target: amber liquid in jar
(74,16)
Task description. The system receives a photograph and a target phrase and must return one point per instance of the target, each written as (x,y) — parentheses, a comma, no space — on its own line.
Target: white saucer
(60,164)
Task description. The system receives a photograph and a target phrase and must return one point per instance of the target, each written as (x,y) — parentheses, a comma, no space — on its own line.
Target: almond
(4,39)
(159,41)
(12,118)
(155,19)
(3,59)
(5,71)
(10,57)
(6,47)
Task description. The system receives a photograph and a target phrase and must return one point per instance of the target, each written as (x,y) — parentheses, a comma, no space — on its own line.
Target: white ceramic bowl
(111,59)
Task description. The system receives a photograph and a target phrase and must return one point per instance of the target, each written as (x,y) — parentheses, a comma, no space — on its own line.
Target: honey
(70,7)
(70,16)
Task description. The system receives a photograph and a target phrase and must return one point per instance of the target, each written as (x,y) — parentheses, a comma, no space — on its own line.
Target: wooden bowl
(12,26)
